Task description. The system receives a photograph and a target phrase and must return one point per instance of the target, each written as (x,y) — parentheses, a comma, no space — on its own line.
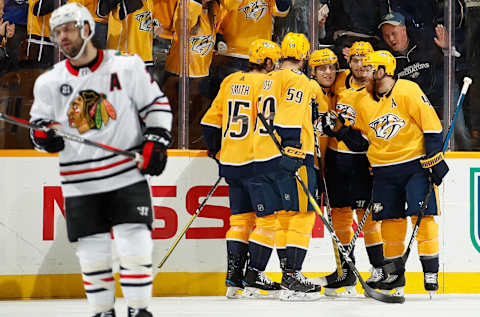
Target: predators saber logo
(347,112)
(202,44)
(255,10)
(387,126)
(145,21)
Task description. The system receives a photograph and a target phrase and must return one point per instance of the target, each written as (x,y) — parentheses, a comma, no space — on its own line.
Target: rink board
(38,262)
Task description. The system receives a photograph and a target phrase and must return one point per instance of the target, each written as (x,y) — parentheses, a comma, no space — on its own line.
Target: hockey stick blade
(26,124)
(385,298)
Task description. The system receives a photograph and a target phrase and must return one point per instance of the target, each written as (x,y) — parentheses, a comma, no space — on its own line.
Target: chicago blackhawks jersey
(201,41)
(233,112)
(104,103)
(134,34)
(395,124)
(285,100)
(244,22)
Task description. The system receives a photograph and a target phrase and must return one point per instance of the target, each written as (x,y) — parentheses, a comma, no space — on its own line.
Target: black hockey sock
(259,256)
(375,255)
(295,258)
(430,264)
(237,248)
(282,257)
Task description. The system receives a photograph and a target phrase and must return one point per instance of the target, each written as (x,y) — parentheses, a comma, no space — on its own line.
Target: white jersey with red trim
(107,102)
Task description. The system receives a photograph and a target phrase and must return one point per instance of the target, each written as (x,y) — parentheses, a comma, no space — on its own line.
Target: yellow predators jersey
(394,124)
(134,34)
(244,23)
(38,26)
(91,5)
(287,94)
(163,12)
(344,81)
(346,104)
(201,41)
(325,101)
(233,110)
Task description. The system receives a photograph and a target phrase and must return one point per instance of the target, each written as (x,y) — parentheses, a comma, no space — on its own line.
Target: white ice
(442,305)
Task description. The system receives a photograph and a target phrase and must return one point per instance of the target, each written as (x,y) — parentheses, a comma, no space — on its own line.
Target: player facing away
(107,97)
(228,127)
(403,135)
(285,100)
(348,176)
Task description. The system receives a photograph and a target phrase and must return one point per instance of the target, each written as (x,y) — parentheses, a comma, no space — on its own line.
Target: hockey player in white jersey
(108,97)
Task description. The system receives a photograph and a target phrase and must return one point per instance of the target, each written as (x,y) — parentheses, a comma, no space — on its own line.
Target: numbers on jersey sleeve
(294,95)
(268,109)
(238,122)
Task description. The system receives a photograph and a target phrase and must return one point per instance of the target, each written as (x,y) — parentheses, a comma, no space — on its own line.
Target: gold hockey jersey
(38,26)
(163,12)
(244,22)
(92,6)
(344,81)
(286,94)
(134,34)
(233,111)
(394,124)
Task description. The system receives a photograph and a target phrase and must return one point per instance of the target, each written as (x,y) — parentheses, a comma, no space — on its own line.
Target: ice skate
(296,287)
(139,312)
(393,284)
(430,281)
(234,279)
(325,280)
(343,286)
(110,313)
(376,276)
(258,285)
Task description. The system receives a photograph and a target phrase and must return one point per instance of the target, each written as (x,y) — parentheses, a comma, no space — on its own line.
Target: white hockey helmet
(73,12)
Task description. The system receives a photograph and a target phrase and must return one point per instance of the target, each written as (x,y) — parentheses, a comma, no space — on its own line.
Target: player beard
(73,49)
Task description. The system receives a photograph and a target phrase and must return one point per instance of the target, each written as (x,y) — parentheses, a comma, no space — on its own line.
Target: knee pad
(281,233)
(264,232)
(342,220)
(300,229)
(371,229)
(393,235)
(240,226)
(427,236)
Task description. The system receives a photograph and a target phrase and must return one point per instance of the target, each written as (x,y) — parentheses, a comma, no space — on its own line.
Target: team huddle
(360,139)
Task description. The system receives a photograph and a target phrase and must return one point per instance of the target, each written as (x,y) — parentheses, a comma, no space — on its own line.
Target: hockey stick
(386,298)
(399,263)
(26,124)
(177,240)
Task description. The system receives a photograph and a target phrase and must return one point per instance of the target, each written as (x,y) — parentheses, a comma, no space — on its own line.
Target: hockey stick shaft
(26,124)
(370,292)
(189,223)
(351,245)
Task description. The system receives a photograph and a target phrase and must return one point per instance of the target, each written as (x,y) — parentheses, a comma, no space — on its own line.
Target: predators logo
(255,10)
(90,110)
(202,44)
(347,112)
(145,22)
(387,126)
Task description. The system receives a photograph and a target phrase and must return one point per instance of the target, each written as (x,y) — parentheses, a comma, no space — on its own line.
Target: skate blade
(348,291)
(399,291)
(322,281)
(234,292)
(256,293)
(431,294)
(292,296)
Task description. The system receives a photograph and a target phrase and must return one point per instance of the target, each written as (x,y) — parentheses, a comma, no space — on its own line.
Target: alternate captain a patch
(90,110)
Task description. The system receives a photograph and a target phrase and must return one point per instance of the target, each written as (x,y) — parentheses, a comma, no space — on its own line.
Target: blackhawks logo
(90,110)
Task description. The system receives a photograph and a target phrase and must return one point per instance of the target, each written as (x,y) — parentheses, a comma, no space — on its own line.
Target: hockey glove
(332,123)
(315,113)
(154,151)
(292,158)
(435,167)
(47,140)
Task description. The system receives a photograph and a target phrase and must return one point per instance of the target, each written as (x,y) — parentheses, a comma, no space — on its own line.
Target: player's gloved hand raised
(332,122)
(154,151)
(293,156)
(436,167)
(47,140)
(315,113)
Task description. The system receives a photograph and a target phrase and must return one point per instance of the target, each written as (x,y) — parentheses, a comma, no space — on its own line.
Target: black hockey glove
(315,113)
(46,141)
(435,167)
(332,123)
(154,151)
(292,158)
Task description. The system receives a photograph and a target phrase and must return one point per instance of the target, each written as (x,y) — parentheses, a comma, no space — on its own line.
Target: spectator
(15,17)
(101,23)
(163,12)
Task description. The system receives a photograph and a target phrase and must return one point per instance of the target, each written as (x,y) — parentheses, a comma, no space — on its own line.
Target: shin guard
(342,219)
(428,245)
(261,241)
(298,238)
(393,234)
